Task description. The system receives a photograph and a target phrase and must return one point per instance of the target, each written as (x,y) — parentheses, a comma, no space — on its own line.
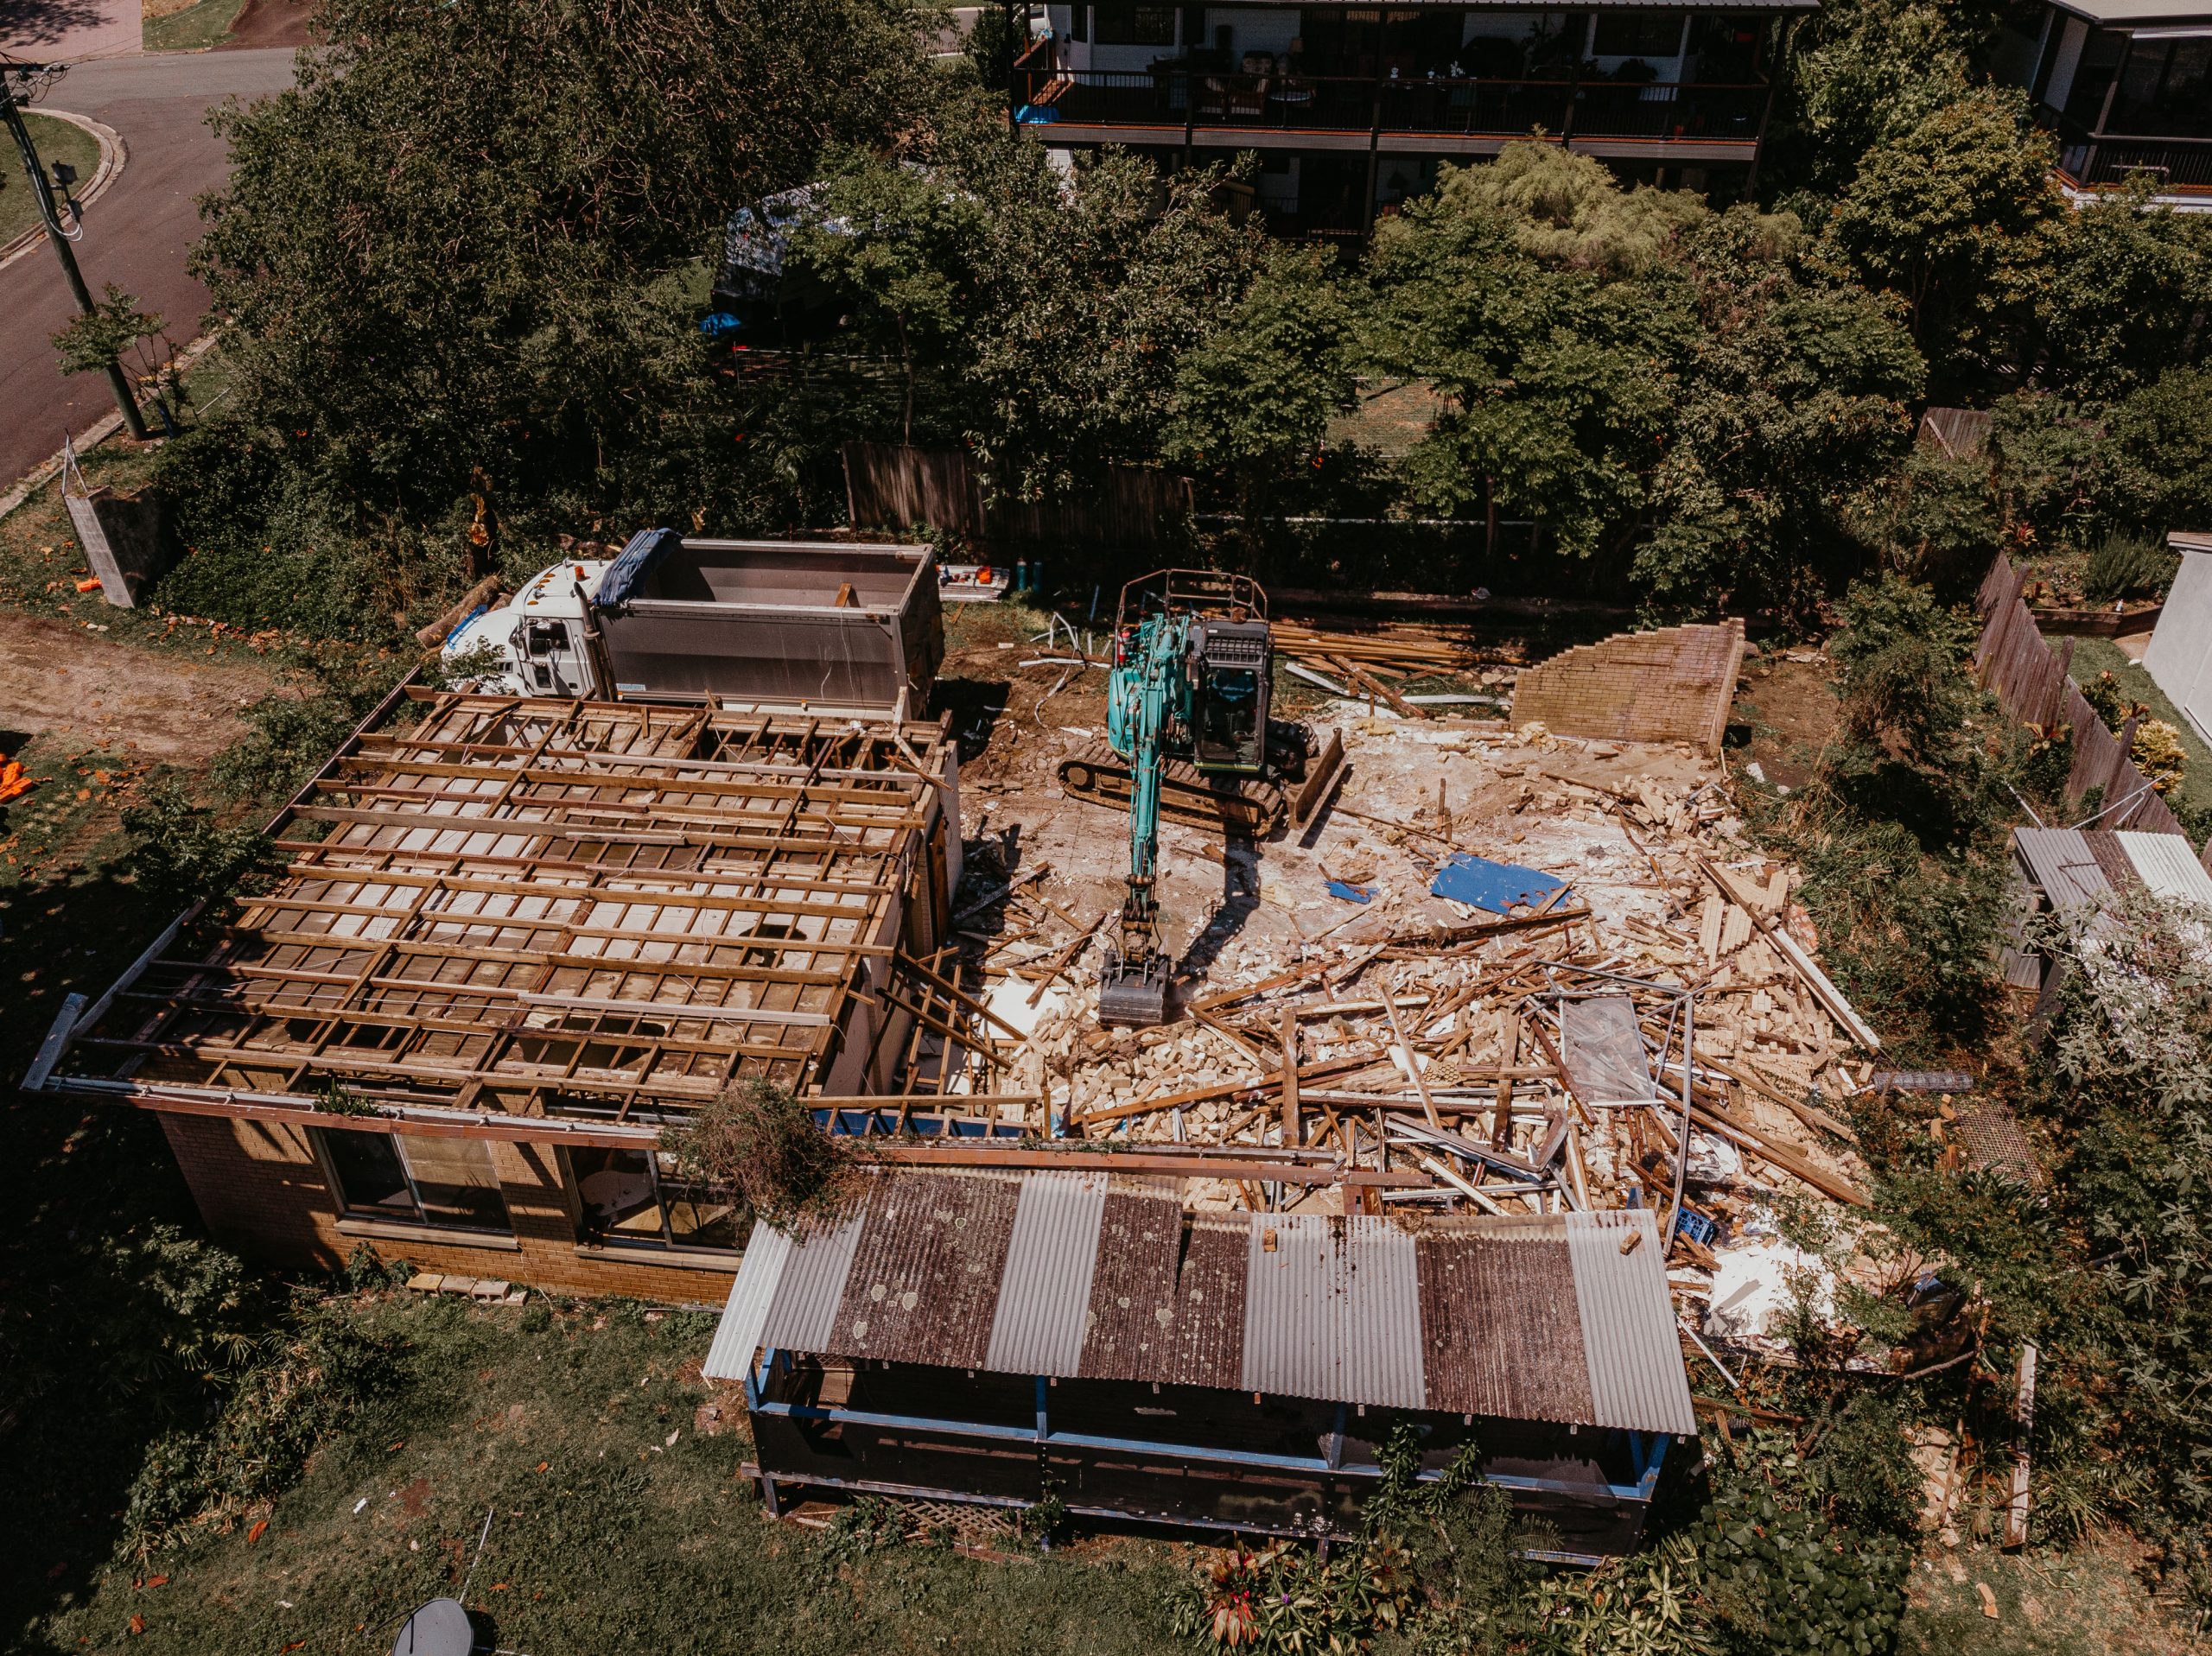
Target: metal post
(43,194)
(2104,115)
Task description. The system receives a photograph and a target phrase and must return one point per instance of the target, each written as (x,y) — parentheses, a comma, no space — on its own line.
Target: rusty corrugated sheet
(1045,1294)
(1501,1324)
(924,1285)
(1332,1310)
(1629,1336)
(805,1306)
(759,1274)
(1130,1319)
(1209,1330)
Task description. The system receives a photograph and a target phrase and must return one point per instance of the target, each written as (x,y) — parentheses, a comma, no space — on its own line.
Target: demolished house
(507,943)
(995,1338)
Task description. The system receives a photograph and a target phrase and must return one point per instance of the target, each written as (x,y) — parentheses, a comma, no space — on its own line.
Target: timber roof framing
(542,907)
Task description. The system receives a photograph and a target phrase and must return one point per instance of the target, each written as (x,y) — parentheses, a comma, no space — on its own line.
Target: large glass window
(1127,25)
(634,1198)
(420,1180)
(1638,35)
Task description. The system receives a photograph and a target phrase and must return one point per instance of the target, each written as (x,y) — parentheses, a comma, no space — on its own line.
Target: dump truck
(674,619)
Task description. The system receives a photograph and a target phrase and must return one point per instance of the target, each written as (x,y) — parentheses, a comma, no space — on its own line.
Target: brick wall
(262,1192)
(1674,685)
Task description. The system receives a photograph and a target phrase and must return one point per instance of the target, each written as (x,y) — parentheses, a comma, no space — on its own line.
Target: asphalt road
(135,235)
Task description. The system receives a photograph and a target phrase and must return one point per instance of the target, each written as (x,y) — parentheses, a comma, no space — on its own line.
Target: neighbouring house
(2125,86)
(508,943)
(1352,109)
(997,1338)
(2179,659)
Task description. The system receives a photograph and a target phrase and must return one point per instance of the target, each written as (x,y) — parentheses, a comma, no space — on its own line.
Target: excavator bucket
(1133,991)
(1323,773)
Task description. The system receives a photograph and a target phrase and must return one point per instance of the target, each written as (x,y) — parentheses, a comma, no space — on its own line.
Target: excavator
(1188,737)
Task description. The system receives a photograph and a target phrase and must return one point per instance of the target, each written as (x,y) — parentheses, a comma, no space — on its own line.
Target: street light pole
(14,116)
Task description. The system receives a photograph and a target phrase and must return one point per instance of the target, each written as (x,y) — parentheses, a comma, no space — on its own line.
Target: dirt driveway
(58,678)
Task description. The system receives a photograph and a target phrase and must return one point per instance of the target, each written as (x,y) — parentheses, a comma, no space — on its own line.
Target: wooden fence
(889,486)
(2032,685)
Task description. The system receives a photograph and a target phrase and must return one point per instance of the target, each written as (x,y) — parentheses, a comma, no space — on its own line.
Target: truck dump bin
(781,621)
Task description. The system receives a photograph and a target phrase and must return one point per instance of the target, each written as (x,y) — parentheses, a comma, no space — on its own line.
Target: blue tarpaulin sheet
(1349,892)
(1498,886)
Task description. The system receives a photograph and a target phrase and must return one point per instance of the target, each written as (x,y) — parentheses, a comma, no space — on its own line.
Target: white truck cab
(539,635)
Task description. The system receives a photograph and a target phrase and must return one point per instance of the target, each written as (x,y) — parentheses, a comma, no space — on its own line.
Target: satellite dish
(439,1628)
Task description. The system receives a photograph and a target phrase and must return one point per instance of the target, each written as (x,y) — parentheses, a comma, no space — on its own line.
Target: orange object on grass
(92,585)
(13,780)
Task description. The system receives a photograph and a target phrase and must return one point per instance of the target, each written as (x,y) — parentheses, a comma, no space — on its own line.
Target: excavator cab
(1230,664)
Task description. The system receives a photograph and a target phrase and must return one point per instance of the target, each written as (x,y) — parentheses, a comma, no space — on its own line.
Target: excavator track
(1246,808)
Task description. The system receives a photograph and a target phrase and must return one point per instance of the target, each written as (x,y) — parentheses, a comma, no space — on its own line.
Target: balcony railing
(2176,164)
(1170,96)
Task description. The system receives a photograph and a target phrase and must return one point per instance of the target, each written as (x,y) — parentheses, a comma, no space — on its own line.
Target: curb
(91,436)
(114,156)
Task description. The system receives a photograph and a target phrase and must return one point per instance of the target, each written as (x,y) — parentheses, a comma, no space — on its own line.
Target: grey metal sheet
(805,1305)
(1629,1334)
(759,1274)
(1045,1296)
(1603,1050)
(1333,1310)
(2139,14)
(2060,861)
(2167,865)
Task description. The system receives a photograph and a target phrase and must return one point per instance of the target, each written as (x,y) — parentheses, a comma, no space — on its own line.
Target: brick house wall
(1674,685)
(264,1192)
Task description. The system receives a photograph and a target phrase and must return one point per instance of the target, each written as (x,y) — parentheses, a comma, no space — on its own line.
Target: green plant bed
(2096,656)
(193,30)
(56,140)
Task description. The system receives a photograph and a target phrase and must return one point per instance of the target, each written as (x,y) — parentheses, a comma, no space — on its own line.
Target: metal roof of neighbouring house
(2074,867)
(1092,1277)
(2139,13)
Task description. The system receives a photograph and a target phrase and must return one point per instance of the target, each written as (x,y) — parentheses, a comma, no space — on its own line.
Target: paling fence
(2032,684)
(894,486)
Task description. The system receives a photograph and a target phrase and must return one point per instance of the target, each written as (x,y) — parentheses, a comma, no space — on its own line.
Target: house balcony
(2179,170)
(1174,105)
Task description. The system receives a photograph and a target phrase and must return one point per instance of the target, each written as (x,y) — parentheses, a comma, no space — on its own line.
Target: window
(1638,35)
(631,1198)
(1126,25)
(1079,23)
(416,1180)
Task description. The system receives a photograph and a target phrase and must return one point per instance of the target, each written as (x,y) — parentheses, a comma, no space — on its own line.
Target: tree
(1255,400)
(1559,382)
(2128,295)
(465,243)
(1865,71)
(898,244)
(1950,215)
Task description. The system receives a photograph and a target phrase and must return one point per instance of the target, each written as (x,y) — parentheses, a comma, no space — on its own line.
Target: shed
(2179,658)
(965,1336)
(2056,870)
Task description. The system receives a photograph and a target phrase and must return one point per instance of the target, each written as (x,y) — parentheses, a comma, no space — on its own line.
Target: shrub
(1784,1580)
(2125,566)
(760,1141)
(181,851)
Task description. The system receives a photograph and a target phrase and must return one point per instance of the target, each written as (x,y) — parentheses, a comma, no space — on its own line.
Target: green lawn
(55,141)
(2096,656)
(192,30)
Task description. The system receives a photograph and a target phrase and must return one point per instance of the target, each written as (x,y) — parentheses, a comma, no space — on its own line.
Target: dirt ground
(1787,700)
(58,678)
(271,22)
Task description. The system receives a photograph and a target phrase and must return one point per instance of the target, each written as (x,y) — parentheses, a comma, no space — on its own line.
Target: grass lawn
(55,141)
(616,1526)
(192,30)
(2096,656)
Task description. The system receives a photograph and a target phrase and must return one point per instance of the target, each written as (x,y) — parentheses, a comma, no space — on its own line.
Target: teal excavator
(1188,737)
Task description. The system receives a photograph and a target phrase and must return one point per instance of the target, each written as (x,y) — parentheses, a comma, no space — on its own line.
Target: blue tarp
(628,571)
(1349,892)
(1498,886)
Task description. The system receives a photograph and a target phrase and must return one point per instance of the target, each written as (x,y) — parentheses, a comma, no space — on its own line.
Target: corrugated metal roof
(805,1307)
(1629,1339)
(1538,1318)
(1332,1310)
(2060,861)
(737,1336)
(1043,1297)
(2167,865)
(1499,1323)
